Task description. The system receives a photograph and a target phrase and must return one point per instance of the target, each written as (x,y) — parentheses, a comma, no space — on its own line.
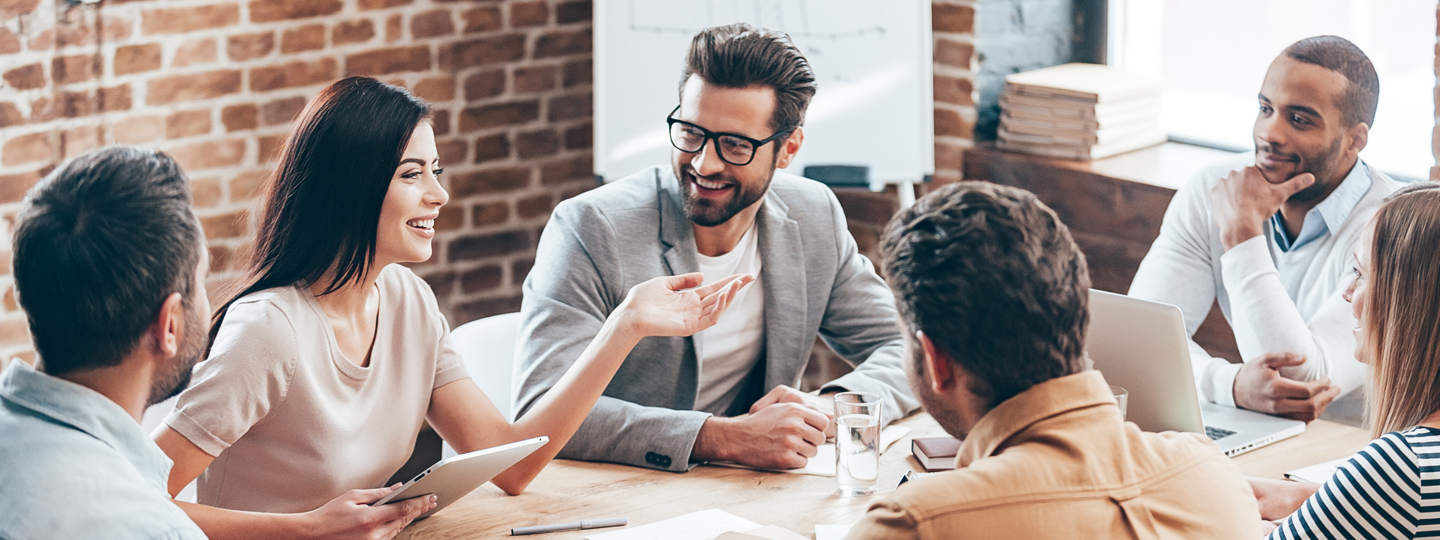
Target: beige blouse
(292,423)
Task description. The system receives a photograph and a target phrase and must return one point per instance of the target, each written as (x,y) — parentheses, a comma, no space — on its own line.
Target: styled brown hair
(993,277)
(1362,95)
(740,56)
(1401,317)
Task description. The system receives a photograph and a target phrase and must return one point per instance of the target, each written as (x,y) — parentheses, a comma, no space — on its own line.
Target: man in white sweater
(1272,237)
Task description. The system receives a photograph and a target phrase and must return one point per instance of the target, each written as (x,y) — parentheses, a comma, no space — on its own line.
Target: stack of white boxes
(1080,111)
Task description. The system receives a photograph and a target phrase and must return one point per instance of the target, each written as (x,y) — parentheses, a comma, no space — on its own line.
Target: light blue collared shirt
(1329,214)
(73,464)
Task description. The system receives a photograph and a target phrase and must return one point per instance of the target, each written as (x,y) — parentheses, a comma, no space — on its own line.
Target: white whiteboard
(872,60)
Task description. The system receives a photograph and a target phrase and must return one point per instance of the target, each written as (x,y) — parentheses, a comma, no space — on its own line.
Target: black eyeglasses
(735,149)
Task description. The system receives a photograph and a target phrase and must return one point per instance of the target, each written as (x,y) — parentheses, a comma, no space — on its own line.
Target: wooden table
(569,491)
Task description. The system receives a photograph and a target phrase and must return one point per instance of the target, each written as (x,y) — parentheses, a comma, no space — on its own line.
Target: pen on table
(587,524)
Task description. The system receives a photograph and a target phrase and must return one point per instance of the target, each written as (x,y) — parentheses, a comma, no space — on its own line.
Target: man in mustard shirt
(993,300)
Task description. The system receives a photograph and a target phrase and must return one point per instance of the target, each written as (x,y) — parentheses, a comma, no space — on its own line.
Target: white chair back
(488,348)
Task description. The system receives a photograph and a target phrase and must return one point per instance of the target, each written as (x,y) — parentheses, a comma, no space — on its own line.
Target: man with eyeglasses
(726,394)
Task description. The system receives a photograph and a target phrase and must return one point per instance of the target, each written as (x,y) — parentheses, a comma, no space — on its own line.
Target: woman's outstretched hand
(672,306)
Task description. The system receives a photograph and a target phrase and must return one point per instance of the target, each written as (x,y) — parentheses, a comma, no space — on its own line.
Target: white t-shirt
(728,350)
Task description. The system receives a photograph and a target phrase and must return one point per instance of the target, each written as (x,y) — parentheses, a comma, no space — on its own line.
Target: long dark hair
(322,204)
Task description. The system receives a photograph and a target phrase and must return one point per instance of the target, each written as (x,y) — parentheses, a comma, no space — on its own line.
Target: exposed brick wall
(217,83)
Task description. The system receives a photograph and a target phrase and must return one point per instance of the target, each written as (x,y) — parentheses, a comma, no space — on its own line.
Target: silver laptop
(1142,346)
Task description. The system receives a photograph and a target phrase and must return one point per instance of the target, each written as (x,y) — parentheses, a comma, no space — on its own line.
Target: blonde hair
(1401,316)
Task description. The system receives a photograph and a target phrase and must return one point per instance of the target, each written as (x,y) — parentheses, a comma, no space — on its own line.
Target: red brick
(247,185)
(73,28)
(188,19)
(356,31)
(580,137)
(305,38)
(492,148)
(523,14)
(239,117)
(480,309)
(290,74)
(436,88)
(535,79)
(205,85)
(220,257)
(231,225)
(210,154)
(27,149)
(485,84)
(436,22)
(484,278)
(138,129)
(26,77)
(10,115)
(948,122)
(485,246)
(489,181)
(952,18)
(441,283)
(76,141)
(10,9)
(74,68)
(452,151)
(579,73)
(9,42)
(195,51)
(566,170)
(953,53)
(137,58)
(187,124)
(279,10)
(385,61)
(482,19)
(206,192)
(270,147)
(366,5)
(440,121)
(571,107)
(394,28)
(536,143)
(281,111)
(115,98)
(520,269)
(77,104)
(482,51)
(504,114)
(43,109)
(451,218)
(241,47)
(490,213)
(534,206)
(42,41)
(14,186)
(572,12)
(955,90)
(561,43)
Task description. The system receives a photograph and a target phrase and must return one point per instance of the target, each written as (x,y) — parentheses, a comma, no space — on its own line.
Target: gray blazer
(601,243)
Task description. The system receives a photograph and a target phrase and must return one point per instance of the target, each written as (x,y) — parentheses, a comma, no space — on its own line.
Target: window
(1214,55)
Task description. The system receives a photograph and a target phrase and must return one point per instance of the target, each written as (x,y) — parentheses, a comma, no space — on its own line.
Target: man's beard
(707,213)
(939,409)
(170,383)
(1321,165)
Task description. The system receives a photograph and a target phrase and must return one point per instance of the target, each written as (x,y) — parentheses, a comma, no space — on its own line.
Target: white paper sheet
(823,464)
(702,525)
(1318,473)
(832,532)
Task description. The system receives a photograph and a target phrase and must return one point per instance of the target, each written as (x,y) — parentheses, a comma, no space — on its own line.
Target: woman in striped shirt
(1391,489)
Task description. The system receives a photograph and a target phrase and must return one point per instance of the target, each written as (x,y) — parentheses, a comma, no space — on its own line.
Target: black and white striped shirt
(1391,489)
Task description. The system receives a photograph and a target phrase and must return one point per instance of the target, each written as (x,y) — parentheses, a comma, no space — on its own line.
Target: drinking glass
(1122,396)
(857,442)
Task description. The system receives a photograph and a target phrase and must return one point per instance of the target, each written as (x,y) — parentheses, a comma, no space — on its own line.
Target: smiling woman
(323,368)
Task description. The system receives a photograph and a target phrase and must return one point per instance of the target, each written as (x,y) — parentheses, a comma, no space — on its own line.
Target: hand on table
(1260,387)
(1242,200)
(351,516)
(823,404)
(780,436)
(1280,498)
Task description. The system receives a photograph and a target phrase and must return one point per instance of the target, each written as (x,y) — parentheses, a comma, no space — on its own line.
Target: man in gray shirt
(719,208)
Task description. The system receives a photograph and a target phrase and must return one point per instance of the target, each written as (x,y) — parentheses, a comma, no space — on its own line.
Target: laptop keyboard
(1216,434)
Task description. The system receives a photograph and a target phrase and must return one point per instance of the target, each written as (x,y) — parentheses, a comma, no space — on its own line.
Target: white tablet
(456,477)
